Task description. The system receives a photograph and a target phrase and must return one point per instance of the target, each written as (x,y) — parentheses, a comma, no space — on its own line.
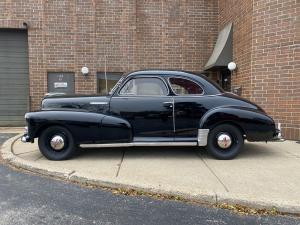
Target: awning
(223,52)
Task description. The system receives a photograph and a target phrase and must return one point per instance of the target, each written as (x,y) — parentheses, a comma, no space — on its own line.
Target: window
(182,86)
(112,79)
(144,86)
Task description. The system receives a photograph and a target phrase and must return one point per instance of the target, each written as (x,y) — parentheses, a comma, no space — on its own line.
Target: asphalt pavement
(31,199)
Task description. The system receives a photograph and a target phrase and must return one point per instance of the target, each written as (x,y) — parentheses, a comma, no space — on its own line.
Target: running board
(139,144)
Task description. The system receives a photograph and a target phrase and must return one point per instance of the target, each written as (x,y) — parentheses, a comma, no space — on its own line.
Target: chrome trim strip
(98,103)
(132,144)
(163,96)
(145,96)
(202,137)
(173,113)
(196,96)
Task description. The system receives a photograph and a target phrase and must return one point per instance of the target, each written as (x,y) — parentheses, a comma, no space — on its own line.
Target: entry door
(145,103)
(226,79)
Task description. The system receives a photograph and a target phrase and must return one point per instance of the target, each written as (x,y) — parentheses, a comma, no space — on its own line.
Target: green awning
(223,51)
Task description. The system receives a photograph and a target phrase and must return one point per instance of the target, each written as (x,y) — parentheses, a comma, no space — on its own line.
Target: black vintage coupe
(150,108)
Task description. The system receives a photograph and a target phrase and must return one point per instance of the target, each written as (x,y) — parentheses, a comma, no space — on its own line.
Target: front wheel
(56,143)
(225,141)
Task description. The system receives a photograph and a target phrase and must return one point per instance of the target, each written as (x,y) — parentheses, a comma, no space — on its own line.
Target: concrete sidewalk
(262,176)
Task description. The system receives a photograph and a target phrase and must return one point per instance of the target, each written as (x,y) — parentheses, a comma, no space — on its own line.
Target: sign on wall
(61,83)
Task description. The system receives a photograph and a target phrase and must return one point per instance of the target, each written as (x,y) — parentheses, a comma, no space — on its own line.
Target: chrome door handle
(168,104)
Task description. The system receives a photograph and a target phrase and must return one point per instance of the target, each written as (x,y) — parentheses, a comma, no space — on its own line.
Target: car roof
(166,72)
(210,86)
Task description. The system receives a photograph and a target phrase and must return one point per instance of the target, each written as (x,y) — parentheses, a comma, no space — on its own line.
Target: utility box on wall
(237,90)
(61,82)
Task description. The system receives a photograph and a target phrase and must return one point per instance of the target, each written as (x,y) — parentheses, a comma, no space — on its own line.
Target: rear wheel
(57,143)
(225,141)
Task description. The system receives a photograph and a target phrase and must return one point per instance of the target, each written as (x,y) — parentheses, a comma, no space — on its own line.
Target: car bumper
(277,136)
(26,138)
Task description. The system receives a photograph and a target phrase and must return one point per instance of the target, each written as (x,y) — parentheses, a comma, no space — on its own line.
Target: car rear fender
(256,125)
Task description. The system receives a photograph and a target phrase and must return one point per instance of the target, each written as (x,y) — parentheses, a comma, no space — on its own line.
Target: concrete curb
(206,198)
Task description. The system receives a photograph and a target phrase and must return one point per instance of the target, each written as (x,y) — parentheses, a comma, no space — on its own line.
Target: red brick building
(117,36)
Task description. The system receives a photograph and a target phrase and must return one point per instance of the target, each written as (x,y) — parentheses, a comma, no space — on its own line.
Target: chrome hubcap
(224,141)
(57,142)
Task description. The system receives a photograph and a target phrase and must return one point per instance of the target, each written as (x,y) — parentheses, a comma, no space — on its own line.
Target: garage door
(14,79)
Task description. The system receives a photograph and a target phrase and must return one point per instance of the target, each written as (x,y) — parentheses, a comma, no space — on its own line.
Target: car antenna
(105,75)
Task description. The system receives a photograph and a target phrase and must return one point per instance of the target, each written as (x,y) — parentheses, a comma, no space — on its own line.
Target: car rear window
(181,86)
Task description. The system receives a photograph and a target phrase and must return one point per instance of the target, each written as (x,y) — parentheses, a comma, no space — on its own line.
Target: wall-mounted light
(25,25)
(232,66)
(85,71)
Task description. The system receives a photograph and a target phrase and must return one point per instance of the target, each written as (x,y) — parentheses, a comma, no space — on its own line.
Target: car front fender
(256,125)
(86,127)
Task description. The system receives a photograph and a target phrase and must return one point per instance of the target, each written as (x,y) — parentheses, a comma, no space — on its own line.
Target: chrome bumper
(25,138)
(278,137)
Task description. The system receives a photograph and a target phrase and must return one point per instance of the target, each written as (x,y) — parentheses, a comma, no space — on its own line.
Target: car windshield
(116,85)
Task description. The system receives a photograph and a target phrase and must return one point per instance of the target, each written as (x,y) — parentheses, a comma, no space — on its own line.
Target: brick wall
(266,50)
(240,13)
(131,35)
(177,34)
(276,61)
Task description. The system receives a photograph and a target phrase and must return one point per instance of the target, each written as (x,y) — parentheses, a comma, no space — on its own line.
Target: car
(150,108)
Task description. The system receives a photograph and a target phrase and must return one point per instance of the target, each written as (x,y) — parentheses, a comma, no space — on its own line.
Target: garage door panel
(17,71)
(8,70)
(13,90)
(14,101)
(17,78)
(14,83)
(12,97)
(11,105)
(13,116)
(16,64)
(10,53)
(14,78)
(14,107)
(12,44)
(16,112)
(12,123)
(12,57)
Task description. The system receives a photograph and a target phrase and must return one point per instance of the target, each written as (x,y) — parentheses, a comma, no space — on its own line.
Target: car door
(188,107)
(146,104)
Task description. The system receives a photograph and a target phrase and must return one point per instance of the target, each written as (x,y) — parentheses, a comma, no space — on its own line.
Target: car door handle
(168,104)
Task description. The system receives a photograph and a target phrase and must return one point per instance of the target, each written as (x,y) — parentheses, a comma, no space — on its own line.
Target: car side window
(182,86)
(144,86)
